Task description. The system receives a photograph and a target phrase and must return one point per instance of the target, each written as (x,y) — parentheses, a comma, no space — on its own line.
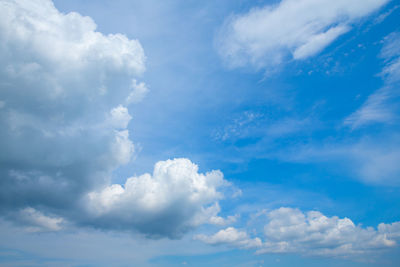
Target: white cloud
(36,221)
(139,92)
(63,126)
(289,230)
(119,117)
(231,236)
(70,40)
(374,110)
(268,36)
(372,160)
(64,131)
(172,200)
(382,105)
(292,231)
(217,220)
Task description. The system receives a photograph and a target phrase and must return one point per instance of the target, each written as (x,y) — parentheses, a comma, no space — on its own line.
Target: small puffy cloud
(119,117)
(139,91)
(289,230)
(36,221)
(270,35)
(232,237)
(217,220)
(169,202)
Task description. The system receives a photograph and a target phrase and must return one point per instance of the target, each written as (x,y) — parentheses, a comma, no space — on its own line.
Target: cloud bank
(289,230)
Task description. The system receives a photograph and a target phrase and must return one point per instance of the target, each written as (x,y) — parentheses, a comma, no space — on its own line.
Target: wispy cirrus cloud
(382,105)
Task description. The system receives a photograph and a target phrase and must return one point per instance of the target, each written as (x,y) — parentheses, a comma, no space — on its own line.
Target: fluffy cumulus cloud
(267,36)
(232,237)
(139,91)
(175,198)
(289,230)
(64,95)
(63,129)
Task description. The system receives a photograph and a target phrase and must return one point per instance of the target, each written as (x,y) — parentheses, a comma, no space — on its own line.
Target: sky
(200,133)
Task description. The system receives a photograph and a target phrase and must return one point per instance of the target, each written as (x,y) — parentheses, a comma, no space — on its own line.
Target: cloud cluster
(64,95)
(267,36)
(289,230)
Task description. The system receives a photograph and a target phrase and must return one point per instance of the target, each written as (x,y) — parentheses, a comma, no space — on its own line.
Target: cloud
(64,92)
(291,29)
(257,126)
(169,202)
(382,105)
(292,231)
(372,159)
(119,117)
(63,131)
(289,230)
(374,110)
(36,221)
(138,93)
(232,237)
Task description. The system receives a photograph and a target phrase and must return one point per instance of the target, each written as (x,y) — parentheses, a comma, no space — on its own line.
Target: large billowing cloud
(298,29)
(62,83)
(64,95)
(291,231)
(175,198)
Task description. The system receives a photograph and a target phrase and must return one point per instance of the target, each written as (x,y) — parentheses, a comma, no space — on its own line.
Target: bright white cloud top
(291,29)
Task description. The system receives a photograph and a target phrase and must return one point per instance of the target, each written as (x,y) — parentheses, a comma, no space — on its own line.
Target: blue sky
(192,133)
